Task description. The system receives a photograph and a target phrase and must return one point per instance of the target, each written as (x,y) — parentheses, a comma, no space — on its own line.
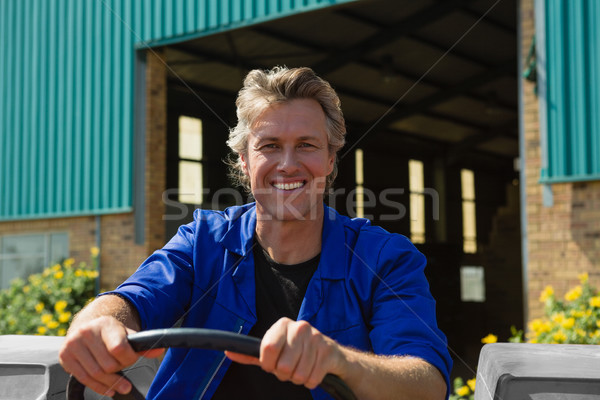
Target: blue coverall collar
(239,240)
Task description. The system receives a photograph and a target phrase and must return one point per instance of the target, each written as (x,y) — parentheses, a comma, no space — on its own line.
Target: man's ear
(244,163)
(331,163)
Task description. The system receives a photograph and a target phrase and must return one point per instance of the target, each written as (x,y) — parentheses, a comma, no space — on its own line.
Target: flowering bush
(45,303)
(463,391)
(574,320)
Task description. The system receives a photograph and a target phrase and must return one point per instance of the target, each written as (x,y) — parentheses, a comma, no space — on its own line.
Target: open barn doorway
(429,91)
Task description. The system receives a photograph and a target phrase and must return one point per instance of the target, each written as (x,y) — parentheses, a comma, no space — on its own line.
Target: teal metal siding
(572,33)
(66,109)
(66,93)
(167,22)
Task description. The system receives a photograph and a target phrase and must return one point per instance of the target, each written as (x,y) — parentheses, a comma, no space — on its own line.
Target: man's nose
(289,160)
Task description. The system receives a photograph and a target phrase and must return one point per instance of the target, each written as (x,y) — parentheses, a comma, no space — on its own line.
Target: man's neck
(291,242)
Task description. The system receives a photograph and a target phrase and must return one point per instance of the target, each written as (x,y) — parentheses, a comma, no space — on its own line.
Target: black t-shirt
(279,292)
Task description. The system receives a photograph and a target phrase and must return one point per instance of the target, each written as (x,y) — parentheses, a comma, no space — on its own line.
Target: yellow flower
(26,289)
(59,275)
(546,327)
(490,339)
(91,274)
(39,307)
(46,272)
(46,318)
(573,294)
(41,330)
(94,251)
(558,318)
(471,384)
(536,325)
(55,267)
(463,391)
(79,273)
(559,337)
(52,324)
(568,323)
(62,332)
(577,313)
(69,262)
(546,293)
(64,317)
(583,278)
(60,305)
(595,301)
(580,332)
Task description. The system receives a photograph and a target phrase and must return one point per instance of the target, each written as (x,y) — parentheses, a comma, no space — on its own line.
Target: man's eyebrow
(277,138)
(308,138)
(267,139)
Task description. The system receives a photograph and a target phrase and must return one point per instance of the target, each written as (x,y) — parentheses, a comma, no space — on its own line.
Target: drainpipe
(522,171)
(98,244)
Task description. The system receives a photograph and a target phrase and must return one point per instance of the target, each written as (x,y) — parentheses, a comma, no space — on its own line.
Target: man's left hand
(297,352)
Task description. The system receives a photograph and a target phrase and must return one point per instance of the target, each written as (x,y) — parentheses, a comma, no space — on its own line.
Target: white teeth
(288,186)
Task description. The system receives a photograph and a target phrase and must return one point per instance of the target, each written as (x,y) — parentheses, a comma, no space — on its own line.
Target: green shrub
(575,320)
(463,391)
(45,303)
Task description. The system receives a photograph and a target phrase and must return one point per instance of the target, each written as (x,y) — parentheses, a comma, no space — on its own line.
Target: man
(328,294)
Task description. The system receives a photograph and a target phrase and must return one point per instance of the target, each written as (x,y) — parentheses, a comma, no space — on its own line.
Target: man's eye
(306,145)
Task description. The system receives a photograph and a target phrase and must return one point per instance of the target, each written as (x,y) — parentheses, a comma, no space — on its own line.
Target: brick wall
(563,239)
(119,257)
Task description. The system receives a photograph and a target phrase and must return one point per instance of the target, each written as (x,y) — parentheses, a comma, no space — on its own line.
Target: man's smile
(289,186)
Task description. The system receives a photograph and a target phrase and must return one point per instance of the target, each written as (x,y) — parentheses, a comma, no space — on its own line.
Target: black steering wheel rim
(208,339)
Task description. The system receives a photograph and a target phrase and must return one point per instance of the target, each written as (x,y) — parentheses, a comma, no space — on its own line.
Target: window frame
(45,255)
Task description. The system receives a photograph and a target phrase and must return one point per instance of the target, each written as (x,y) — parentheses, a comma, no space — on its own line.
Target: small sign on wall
(472,283)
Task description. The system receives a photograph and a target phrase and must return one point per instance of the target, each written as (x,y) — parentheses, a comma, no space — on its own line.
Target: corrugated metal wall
(67,95)
(572,30)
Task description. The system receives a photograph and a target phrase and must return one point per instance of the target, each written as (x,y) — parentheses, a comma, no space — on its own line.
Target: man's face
(288,160)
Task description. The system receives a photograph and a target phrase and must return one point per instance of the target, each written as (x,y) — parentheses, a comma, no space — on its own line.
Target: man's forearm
(379,377)
(109,305)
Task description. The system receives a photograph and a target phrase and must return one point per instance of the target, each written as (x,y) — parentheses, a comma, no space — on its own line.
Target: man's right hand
(94,351)
(96,346)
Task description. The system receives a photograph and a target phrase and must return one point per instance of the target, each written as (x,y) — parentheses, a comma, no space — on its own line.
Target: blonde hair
(280,84)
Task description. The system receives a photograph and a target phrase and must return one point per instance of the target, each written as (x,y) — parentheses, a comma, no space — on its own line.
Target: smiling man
(327,293)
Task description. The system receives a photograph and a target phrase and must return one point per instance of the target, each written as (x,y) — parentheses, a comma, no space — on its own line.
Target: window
(467,180)
(23,255)
(417,201)
(360,190)
(472,284)
(190,160)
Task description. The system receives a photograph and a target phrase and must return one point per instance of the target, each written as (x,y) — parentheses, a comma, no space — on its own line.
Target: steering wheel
(208,339)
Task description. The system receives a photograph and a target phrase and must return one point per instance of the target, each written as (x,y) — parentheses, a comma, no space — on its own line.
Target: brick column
(156,138)
(564,238)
